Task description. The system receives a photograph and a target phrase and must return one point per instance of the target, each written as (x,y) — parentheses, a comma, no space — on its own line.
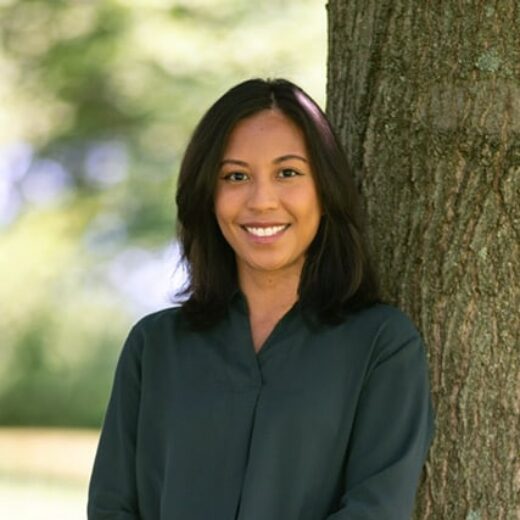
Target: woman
(281,389)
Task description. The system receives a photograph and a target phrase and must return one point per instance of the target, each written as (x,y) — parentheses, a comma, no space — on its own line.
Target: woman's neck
(269,294)
(269,297)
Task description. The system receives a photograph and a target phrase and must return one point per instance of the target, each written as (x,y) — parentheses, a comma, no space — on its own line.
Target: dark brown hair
(337,276)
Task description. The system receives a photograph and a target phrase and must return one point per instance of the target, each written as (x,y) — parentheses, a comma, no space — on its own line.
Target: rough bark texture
(426,99)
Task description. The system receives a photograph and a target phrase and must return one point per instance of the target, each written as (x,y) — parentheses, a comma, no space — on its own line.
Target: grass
(44,472)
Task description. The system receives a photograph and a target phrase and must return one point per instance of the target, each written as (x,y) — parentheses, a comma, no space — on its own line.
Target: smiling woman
(268,210)
(281,388)
(270,143)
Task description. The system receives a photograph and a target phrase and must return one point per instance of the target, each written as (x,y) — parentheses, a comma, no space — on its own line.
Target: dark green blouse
(324,423)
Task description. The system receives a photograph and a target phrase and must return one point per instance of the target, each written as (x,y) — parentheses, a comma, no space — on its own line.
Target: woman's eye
(288,172)
(235,177)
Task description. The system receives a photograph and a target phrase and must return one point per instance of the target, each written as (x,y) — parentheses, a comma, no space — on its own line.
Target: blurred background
(97,102)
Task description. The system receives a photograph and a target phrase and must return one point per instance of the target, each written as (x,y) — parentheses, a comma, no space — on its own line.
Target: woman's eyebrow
(290,156)
(233,161)
(275,161)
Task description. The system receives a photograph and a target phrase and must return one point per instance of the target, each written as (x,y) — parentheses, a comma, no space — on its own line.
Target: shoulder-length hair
(337,276)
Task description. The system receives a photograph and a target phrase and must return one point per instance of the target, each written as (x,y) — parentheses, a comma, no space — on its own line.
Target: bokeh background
(97,102)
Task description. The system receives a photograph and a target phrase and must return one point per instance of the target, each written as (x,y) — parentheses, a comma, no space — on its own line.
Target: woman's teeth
(265,231)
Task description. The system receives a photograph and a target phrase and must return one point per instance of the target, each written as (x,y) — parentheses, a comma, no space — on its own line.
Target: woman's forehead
(267,128)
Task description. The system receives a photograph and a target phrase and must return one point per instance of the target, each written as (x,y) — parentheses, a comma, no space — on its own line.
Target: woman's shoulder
(381,332)
(157,318)
(385,327)
(383,316)
(152,333)
(157,322)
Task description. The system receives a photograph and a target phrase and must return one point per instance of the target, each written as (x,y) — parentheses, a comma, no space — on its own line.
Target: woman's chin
(271,267)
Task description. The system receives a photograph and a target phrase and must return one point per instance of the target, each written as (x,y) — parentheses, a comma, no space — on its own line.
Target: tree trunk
(425,97)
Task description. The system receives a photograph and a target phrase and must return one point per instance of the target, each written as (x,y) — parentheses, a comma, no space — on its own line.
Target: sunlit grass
(36,500)
(44,472)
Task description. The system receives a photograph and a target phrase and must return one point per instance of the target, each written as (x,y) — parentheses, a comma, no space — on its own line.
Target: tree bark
(425,97)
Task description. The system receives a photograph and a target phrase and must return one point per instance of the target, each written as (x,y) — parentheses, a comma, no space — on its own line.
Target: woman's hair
(337,276)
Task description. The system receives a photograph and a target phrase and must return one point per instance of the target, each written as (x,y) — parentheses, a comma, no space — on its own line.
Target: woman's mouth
(264,233)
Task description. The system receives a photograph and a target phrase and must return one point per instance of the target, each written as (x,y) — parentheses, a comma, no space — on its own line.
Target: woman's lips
(264,233)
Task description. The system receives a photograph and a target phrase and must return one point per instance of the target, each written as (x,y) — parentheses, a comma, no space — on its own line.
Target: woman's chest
(297,384)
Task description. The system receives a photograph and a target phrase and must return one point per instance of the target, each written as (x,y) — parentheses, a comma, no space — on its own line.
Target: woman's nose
(262,196)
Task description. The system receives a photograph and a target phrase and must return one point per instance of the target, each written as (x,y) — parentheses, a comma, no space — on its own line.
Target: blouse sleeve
(393,429)
(112,490)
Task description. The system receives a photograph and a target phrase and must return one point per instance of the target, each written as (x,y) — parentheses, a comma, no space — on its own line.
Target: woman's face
(266,202)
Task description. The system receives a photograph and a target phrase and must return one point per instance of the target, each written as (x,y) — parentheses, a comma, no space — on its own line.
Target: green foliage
(60,335)
(105,94)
